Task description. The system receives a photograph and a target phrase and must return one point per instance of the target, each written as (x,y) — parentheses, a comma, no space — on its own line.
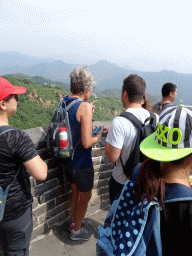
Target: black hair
(135,87)
(167,88)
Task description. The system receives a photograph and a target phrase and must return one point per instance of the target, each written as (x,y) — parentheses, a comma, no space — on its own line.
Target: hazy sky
(142,34)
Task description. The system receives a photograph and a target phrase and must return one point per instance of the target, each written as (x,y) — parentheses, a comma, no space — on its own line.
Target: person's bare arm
(85,116)
(112,153)
(37,168)
(92,105)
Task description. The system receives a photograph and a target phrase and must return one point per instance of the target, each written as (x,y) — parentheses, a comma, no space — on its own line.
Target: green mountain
(41,80)
(108,76)
(109,93)
(37,106)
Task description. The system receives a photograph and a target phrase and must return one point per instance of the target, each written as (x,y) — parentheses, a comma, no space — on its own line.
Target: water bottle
(63,143)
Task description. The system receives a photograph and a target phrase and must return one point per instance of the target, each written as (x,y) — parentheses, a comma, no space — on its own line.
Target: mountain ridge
(108,76)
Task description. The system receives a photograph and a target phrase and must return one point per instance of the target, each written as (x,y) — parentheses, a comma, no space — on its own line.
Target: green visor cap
(152,149)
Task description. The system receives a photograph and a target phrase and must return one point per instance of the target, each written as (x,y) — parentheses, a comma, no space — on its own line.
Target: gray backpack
(60,119)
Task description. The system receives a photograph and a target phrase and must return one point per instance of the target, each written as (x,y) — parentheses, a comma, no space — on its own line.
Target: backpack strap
(4,129)
(178,192)
(152,118)
(67,109)
(131,117)
(62,110)
(135,172)
(130,164)
(138,124)
(70,105)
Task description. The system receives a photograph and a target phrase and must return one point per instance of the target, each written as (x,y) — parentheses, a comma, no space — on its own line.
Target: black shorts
(83,178)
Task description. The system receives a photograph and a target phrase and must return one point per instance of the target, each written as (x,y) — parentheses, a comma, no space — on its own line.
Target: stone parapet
(51,206)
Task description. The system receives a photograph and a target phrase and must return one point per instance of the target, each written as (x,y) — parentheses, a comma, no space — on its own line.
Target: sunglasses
(11,97)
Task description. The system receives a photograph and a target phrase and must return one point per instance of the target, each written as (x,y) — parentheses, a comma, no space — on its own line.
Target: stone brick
(103,190)
(61,199)
(46,186)
(103,167)
(94,194)
(99,199)
(106,166)
(35,222)
(96,168)
(51,174)
(101,183)
(102,175)
(105,203)
(32,191)
(97,160)
(95,200)
(105,159)
(101,143)
(53,212)
(105,123)
(37,135)
(98,152)
(96,176)
(105,197)
(59,219)
(51,194)
(35,202)
(31,179)
(43,208)
(39,230)
(100,160)
(100,191)
(92,209)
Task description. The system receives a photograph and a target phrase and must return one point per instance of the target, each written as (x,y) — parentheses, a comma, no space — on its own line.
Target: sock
(76,232)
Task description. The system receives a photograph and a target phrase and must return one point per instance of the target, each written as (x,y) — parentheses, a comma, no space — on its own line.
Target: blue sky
(145,35)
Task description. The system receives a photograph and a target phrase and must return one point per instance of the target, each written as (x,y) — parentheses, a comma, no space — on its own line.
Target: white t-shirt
(122,135)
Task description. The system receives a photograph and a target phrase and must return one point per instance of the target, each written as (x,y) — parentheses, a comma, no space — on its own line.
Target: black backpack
(60,119)
(144,130)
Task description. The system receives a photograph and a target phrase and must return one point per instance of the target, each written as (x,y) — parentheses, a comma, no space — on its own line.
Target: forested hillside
(41,80)
(36,107)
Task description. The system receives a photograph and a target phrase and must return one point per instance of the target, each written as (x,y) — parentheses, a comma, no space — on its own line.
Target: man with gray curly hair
(81,80)
(79,170)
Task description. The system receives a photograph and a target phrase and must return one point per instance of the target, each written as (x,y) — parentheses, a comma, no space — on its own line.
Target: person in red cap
(17,153)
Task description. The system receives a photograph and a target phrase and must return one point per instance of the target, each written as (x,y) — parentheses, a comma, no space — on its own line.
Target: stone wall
(51,206)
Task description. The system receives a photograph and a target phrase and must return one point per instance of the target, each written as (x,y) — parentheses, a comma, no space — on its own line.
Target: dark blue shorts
(15,235)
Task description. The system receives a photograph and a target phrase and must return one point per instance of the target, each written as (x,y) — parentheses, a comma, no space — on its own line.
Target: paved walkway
(58,243)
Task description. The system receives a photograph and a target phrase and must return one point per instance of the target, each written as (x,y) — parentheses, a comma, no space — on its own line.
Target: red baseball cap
(6,89)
